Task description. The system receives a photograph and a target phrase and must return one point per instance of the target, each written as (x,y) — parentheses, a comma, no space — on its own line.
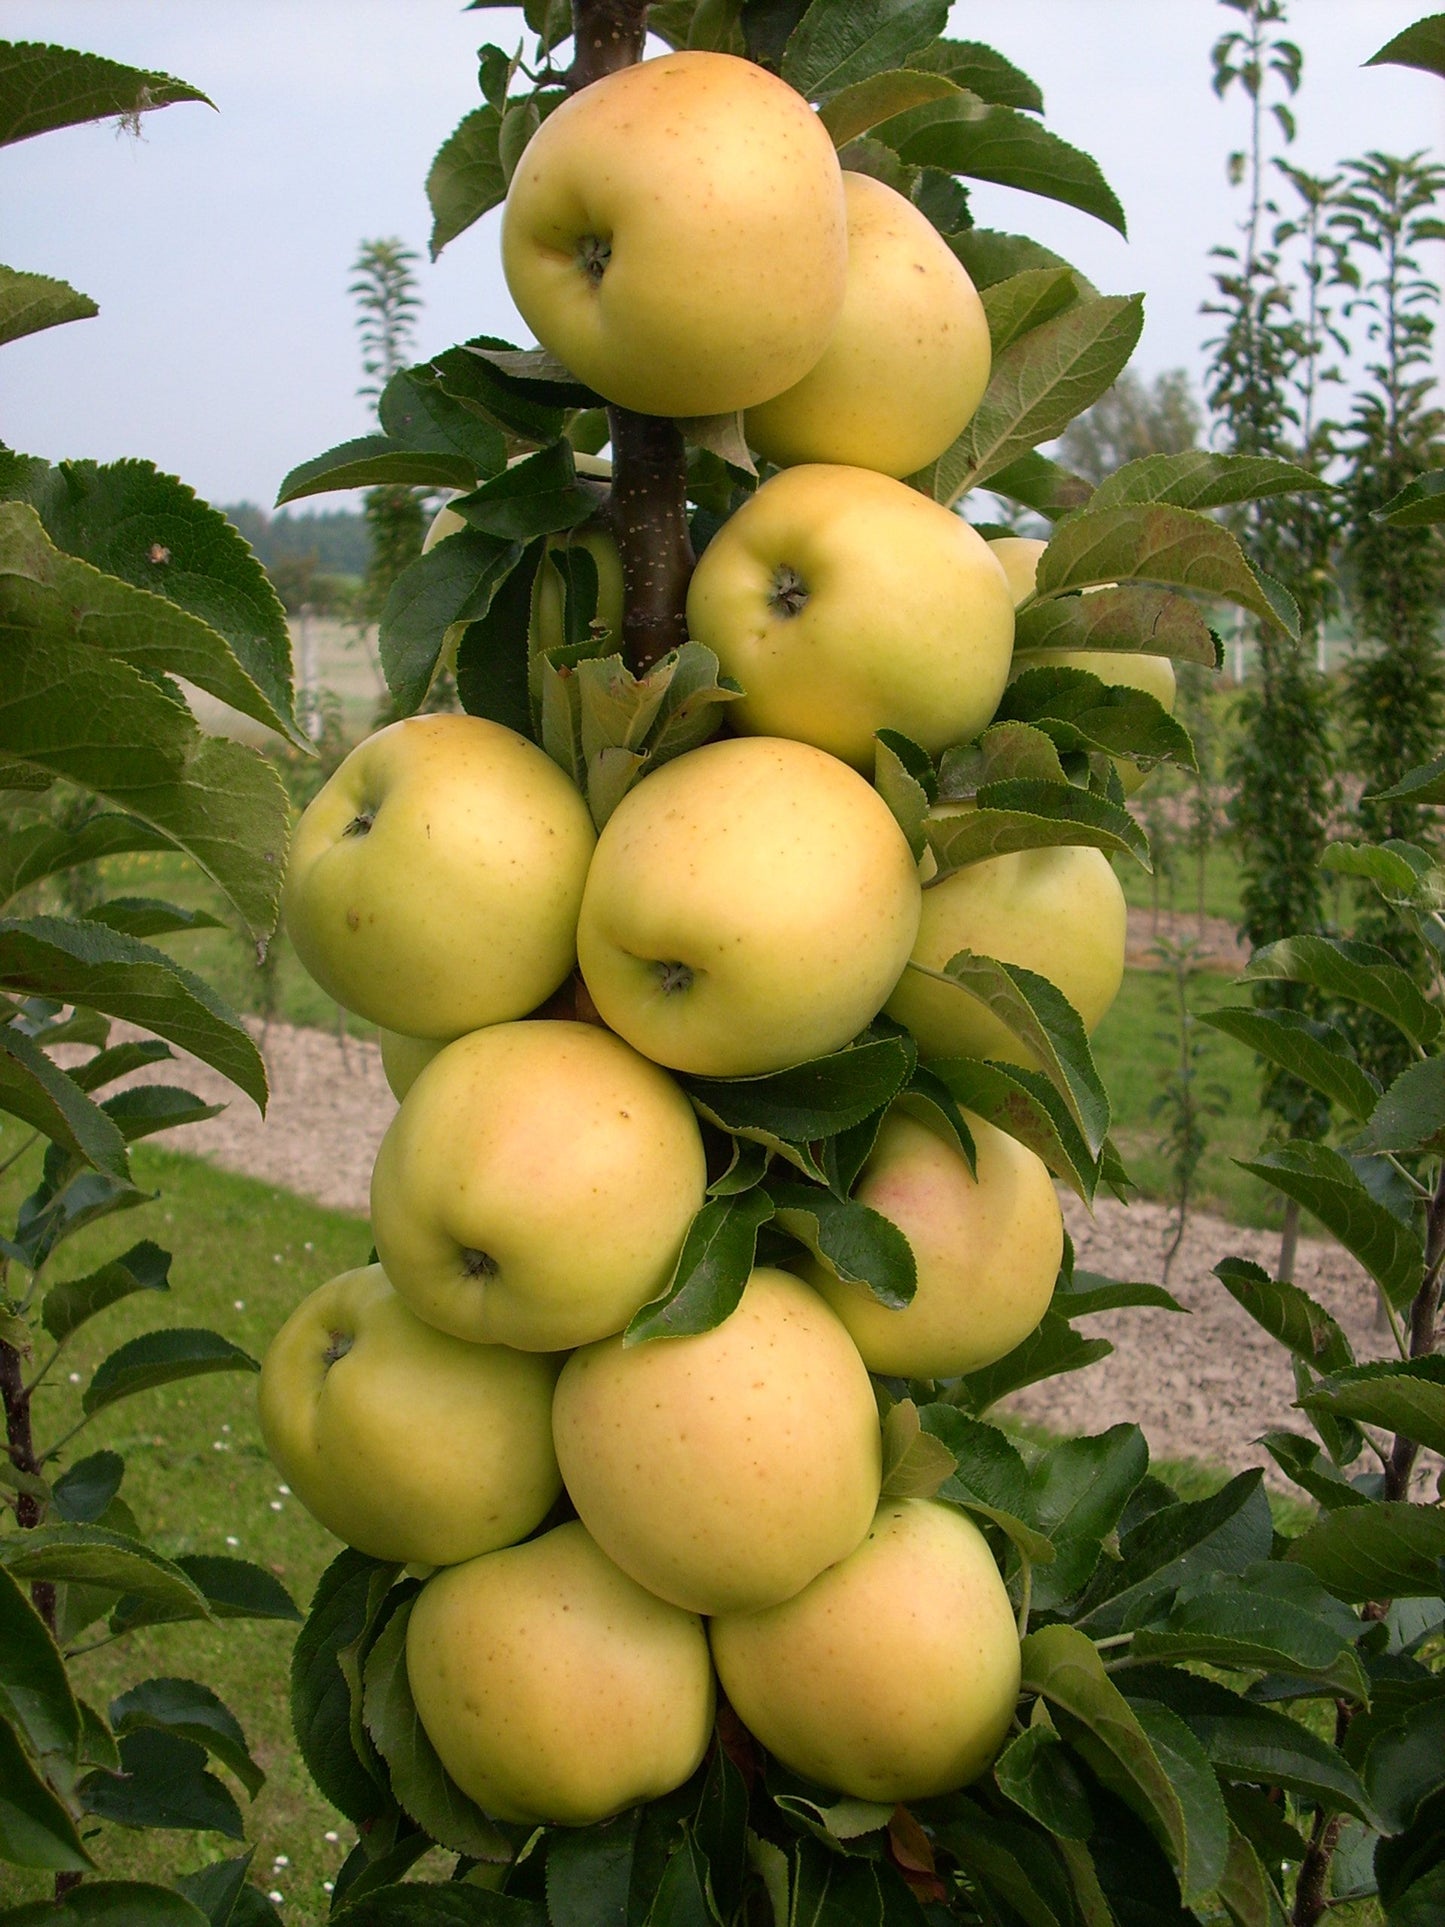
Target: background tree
(1133,419)
(387,302)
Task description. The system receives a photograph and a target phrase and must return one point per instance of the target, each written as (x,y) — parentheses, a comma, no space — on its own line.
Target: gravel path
(1205,1385)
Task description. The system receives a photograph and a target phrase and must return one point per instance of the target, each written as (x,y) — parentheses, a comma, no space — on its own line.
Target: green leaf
(83,1492)
(1422,44)
(539,496)
(163,1783)
(1037,1774)
(1386,1550)
(466,177)
(149,917)
(69,707)
(1401,871)
(111,1903)
(418,1778)
(1040,1016)
(493,670)
(970,64)
(423,1903)
(1086,1292)
(986,1466)
(34,1089)
(915,1463)
(454,582)
(35,851)
(1035,390)
(1418,505)
(834,47)
(160,1358)
(1190,1540)
(192,1712)
(1152,542)
(1016,1873)
(1149,1762)
(1410,1117)
(90,1555)
(328,1728)
(30,302)
(376,461)
(1079,711)
(1026,1105)
(42,88)
(809,1101)
(991,257)
(903,776)
(1324,1182)
(1287,1313)
(1261,1619)
(853,110)
(1136,619)
(1038,483)
(1028,814)
(35,1692)
(201,606)
(1197,479)
(589,1869)
(1253,1743)
(987,143)
(1078,1491)
(36,1827)
(716,1261)
(1050,1350)
(230,1589)
(144,1109)
(856,1243)
(1403,1395)
(1025,301)
(1360,973)
(219,1888)
(68,1304)
(1406,1762)
(418,410)
(84,963)
(1303,1461)
(1318,1054)
(499,385)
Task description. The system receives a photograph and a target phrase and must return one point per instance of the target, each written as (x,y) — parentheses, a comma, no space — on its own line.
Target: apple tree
(114,580)
(1140,1734)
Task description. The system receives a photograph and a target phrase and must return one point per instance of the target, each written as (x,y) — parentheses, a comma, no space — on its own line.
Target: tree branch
(606,35)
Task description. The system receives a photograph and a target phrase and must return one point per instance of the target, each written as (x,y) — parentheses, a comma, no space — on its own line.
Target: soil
(1203,1385)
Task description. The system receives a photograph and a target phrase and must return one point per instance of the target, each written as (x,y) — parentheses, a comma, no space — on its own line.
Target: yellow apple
(845,602)
(535,1187)
(403,1059)
(1058,912)
(435,880)
(1120,669)
(554,1689)
(909,360)
(895,1675)
(727,1469)
(987,1250)
(676,233)
(750,906)
(343,1386)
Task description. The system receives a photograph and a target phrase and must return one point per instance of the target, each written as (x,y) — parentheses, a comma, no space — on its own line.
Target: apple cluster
(749,906)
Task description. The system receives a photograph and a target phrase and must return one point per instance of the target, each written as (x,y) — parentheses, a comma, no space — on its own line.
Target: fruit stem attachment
(606,35)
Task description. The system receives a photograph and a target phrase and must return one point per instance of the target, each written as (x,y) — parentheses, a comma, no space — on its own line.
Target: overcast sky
(219,245)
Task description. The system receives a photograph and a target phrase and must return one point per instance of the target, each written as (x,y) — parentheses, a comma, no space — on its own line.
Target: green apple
(987,1249)
(435,880)
(894,1676)
(1121,669)
(676,233)
(845,602)
(726,1469)
(554,1689)
(909,360)
(535,1187)
(343,1385)
(1059,912)
(403,1059)
(750,906)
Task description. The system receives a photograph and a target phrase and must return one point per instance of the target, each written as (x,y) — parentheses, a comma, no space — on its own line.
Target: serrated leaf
(68,1304)
(540,495)
(1424,784)
(418,1778)
(1318,1054)
(1050,1350)
(1038,483)
(1324,1182)
(1025,301)
(720,435)
(1036,1772)
(991,256)
(160,1358)
(493,670)
(466,177)
(989,143)
(35,1692)
(1026,1105)
(87,964)
(144,1109)
(1302,1460)
(376,461)
(1152,542)
(1422,44)
(31,302)
(1005,752)
(1078,1491)
(1228,1532)
(1410,1117)
(1287,1313)
(454,582)
(1134,619)
(149,917)
(34,1089)
(715,1264)
(1360,973)
(90,1555)
(1259,1620)
(499,385)
(853,110)
(42,88)
(832,47)
(813,1100)
(191,1711)
(321,1702)
(987,1466)
(1403,1395)
(163,1782)
(1036,389)
(856,1243)
(1080,711)
(968,63)
(1027,814)
(1197,479)
(36,1828)
(84,1491)
(915,1463)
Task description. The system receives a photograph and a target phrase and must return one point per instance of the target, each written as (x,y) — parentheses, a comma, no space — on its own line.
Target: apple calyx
(360,824)
(593,255)
(790,594)
(479,1264)
(673,978)
(340,1343)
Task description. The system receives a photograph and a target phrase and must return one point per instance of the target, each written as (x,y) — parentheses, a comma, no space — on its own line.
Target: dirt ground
(1203,1385)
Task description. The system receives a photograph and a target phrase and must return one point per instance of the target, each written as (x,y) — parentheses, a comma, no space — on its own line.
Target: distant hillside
(335,537)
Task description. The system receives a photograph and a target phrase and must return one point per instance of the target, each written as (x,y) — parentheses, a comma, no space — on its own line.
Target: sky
(219,245)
